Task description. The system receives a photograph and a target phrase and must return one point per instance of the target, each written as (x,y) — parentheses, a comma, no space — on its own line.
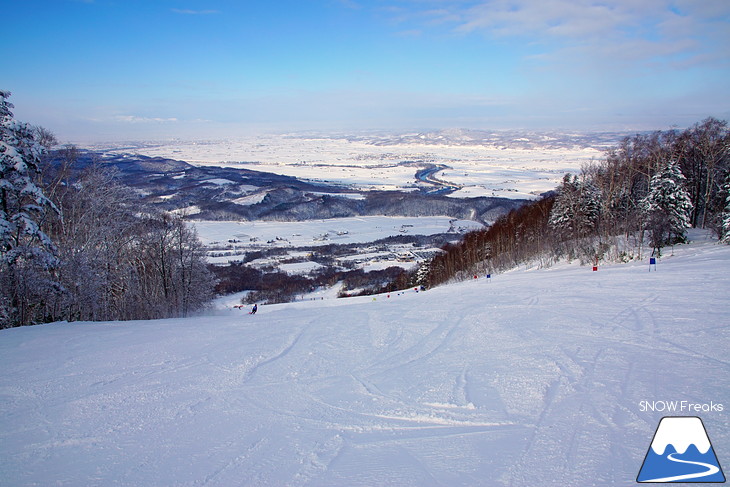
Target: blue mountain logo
(681,452)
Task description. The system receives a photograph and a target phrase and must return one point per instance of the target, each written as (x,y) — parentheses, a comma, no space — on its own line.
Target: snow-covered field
(246,235)
(480,169)
(535,378)
(323,232)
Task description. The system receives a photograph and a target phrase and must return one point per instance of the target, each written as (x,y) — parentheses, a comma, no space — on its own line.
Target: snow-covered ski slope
(539,377)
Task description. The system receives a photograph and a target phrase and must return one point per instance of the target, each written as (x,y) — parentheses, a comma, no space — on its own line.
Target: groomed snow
(534,378)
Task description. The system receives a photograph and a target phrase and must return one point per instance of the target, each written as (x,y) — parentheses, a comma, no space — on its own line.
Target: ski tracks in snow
(380,395)
(581,408)
(293,340)
(532,379)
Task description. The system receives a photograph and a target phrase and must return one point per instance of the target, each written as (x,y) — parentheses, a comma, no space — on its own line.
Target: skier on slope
(254,309)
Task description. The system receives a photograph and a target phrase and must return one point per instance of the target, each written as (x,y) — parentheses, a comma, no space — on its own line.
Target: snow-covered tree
(422,274)
(561,215)
(94,240)
(725,223)
(119,259)
(589,209)
(26,252)
(22,203)
(577,207)
(668,206)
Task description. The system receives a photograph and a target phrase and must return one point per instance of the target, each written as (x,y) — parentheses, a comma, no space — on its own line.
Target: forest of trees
(273,286)
(77,245)
(643,196)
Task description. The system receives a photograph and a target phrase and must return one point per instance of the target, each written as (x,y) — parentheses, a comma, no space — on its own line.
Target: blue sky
(116,69)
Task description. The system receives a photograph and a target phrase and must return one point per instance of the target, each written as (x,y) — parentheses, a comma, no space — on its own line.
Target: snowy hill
(537,377)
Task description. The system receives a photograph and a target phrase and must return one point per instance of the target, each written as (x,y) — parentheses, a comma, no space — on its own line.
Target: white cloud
(136,119)
(659,28)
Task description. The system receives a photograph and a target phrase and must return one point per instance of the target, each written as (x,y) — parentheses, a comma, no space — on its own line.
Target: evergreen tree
(26,252)
(422,274)
(563,211)
(577,207)
(589,207)
(668,206)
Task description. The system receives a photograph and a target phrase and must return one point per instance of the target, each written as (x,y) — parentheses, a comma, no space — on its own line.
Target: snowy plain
(536,377)
(333,230)
(479,169)
(228,241)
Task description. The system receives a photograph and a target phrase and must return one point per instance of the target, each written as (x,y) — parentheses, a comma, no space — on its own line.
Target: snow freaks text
(680,407)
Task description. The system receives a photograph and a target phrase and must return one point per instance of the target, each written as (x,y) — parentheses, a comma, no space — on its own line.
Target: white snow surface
(532,378)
